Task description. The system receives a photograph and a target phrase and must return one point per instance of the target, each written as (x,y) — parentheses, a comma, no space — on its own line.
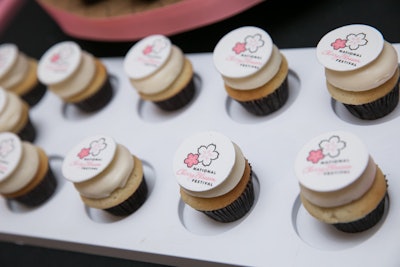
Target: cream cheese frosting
(261,77)
(345,195)
(164,76)
(11,113)
(16,73)
(24,172)
(78,80)
(231,181)
(114,176)
(369,76)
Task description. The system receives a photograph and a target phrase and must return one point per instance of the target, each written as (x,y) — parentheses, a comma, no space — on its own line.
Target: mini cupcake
(26,176)
(361,70)
(160,72)
(214,176)
(14,116)
(76,76)
(106,175)
(253,70)
(340,184)
(18,74)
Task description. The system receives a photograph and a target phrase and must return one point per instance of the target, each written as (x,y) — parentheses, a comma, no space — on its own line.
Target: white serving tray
(276,232)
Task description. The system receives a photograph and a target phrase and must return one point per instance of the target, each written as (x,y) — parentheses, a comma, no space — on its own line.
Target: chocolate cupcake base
(35,95)
(41,193)
(98,100)
(378,108)
(179,100)
(133,203)
(28,133)
(270,103)
(238,208)
(365,223)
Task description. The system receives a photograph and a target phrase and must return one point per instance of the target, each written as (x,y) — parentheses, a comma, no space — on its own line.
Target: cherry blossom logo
(60,56)
(94,148)
(6,146)
(327,148)
(251,43)
(205,155)
(156,47)
(352,41)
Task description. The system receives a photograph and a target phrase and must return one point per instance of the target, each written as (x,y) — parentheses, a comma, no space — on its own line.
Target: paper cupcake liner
(236,209)
(35,95)
(378,108)
(364,223)
(131,204)
(97,101)
(269,103)
(41,193)
(28,133)
(180,99)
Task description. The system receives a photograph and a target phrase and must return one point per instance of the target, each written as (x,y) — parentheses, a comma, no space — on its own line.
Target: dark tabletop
(291,25)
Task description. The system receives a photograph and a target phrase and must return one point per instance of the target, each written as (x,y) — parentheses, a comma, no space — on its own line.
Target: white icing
(8,57)
(230,182)
(346,195)
(349,47)
(11,113)
(24,172)
(368,77)
(89,158)
(17,72)
(113,177)
(264,75)
(331,161)
(59,62)
(78,80)
(165,75)
(242,52)
(204,161)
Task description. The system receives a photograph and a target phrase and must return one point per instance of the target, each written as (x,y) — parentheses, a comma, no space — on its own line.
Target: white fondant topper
(331,161)
(147,56)
(10,153)
(59,62)
(89,158)
(8,56)
(349,47)
(242,52)
(203,161)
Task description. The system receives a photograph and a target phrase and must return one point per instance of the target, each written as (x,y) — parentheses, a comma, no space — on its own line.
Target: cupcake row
(361,70)
(339,182)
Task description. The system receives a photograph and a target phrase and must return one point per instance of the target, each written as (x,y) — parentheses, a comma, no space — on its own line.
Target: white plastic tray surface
(276,232)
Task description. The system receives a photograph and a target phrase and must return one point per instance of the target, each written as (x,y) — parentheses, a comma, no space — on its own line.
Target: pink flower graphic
(339,43)
(191,159)
(332,146)
(84,153)
(315,155)
(356,40)
(97,146)
(54,58)
(239,48)
(147,50)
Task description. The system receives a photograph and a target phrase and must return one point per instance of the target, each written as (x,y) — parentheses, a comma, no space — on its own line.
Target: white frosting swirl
(24,172)
(113,177)
(345,195)
(368,77)
(164,76)
(11,113)
(17,72)
(261,77)
(79,79)
(230,182)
